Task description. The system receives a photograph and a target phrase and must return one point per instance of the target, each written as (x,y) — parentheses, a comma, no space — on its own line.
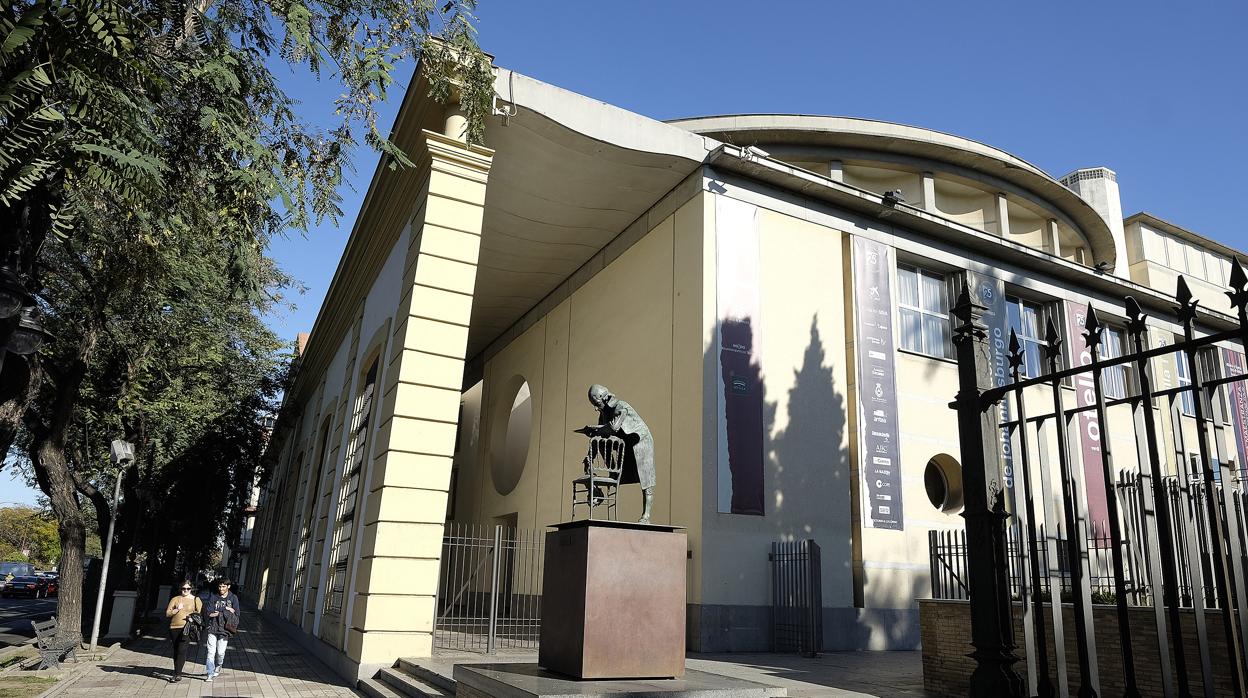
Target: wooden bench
(52,648)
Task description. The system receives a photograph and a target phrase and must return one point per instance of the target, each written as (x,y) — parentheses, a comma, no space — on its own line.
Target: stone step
(409,685)
(374,688)
(428,674)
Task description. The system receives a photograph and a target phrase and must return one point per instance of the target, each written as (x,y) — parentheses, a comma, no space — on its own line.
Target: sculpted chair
(604,465)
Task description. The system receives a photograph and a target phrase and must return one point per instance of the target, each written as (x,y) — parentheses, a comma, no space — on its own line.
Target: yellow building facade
(719,289)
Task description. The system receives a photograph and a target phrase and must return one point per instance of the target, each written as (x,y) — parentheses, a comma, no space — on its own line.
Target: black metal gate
(489,588)
(796,597)
(1171,540)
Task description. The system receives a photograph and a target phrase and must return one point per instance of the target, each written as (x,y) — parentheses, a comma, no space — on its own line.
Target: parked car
(9,570)
(53,581)
(32,586)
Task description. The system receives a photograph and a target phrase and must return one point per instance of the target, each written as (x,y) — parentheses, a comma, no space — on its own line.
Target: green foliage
(81,84)
(147,157)
(28,535)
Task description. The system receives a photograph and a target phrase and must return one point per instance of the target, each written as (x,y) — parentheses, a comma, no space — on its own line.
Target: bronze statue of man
(618,418)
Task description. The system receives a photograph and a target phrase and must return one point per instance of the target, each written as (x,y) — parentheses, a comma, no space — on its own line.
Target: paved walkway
(260,663)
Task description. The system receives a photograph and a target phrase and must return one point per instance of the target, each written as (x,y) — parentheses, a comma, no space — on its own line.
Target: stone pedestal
(164,592)
(531,681)
(613,601)
(122,617)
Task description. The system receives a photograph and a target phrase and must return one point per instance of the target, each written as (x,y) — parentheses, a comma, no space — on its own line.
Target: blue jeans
(216,652)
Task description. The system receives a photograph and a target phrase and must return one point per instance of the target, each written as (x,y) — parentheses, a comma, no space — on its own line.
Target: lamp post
(121,453)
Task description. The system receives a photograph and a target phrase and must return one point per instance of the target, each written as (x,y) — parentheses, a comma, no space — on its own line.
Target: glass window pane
(1032,365)
(911,336)
(1114,382)
(907,287)
(1012,306)
(933,294)
(935,335)
(1031,321)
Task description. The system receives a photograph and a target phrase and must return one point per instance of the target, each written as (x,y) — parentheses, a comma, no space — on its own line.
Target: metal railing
(947,551)
(1166,537)
(796,597)
(489,588)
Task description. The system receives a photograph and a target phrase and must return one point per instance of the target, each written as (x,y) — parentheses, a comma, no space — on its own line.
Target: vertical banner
(740,393)
(1089,425)
(879,452)
(1237,391)
(990,293)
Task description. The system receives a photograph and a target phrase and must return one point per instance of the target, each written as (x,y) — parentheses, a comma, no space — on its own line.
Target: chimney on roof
(301,343)
(1099,187)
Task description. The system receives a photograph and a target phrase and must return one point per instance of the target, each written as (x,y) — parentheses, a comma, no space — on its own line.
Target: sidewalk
(260,663)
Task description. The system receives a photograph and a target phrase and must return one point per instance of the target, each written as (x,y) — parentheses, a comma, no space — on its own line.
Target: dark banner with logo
(1089,425)
(879,453)
(1238,394)
(990,293)
(740,423)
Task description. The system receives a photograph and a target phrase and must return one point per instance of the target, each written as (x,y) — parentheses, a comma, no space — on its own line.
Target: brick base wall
(945,627)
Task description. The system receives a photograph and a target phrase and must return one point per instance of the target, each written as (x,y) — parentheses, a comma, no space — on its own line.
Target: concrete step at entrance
(409,685)
(430,675)
(374,688)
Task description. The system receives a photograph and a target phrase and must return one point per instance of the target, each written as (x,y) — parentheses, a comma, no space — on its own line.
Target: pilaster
(392,612)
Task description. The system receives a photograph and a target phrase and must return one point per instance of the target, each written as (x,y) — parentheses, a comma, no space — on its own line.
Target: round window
(509,443)
(943,481)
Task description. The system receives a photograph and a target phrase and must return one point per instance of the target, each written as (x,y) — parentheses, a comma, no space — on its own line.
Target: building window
(1187,401)
(1113,378)
(349,493)
(923,308)
(312,494)
(1025,320)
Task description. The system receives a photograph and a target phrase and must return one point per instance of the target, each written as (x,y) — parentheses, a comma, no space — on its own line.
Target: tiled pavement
(260,662)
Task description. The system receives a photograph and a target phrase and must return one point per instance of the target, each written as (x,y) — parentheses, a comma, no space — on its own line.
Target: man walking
(221,615)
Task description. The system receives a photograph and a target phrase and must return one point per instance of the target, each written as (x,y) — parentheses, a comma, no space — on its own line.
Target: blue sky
(1156,92)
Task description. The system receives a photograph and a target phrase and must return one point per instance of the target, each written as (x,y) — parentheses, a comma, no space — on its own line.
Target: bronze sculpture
(618,418)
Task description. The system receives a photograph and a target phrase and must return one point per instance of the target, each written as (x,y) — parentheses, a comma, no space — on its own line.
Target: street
(15,617)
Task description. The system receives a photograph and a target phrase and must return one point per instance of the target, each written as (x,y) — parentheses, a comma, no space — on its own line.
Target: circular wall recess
(509,442)
(943,481)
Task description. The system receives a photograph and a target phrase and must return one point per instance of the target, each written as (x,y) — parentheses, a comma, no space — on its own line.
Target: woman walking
(181,606)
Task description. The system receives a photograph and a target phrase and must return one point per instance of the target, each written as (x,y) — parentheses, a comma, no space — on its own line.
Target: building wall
(799,340)
(633,327)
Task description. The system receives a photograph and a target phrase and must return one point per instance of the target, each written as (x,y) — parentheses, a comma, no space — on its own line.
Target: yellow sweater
(177,616)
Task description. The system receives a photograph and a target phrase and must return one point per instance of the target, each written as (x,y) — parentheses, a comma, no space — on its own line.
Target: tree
(28,535)
(147,154)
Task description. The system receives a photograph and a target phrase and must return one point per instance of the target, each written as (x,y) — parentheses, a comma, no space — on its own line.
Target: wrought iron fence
(489,588)
(947,550)
(1169,535)
(796,597)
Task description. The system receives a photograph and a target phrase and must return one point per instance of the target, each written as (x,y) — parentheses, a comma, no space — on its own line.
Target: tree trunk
(49,461)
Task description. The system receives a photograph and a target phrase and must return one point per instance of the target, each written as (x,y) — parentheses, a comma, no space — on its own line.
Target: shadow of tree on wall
(809,483)
(809,457)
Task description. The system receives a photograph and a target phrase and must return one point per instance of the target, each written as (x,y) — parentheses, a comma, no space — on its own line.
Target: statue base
(531,681)
(613,600)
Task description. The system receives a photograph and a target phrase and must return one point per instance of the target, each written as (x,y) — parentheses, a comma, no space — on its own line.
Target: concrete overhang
(570,173)
(837,133)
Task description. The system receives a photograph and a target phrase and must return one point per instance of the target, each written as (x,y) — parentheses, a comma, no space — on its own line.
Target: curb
(77,672)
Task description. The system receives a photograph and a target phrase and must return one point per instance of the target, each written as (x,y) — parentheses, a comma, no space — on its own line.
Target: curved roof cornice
(801,130)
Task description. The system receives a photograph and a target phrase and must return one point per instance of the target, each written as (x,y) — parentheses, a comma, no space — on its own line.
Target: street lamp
(29,334)
(13,296)
(122,454)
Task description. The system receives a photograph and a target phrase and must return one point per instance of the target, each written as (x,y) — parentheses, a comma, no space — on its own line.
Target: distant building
(771,292)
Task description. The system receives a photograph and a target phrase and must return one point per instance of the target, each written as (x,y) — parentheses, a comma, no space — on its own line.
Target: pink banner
(1238,394)
(1089,425)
